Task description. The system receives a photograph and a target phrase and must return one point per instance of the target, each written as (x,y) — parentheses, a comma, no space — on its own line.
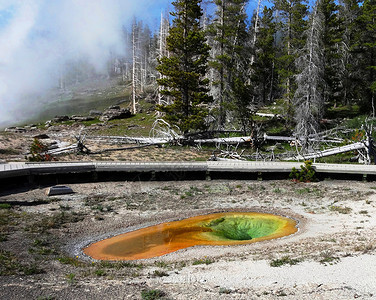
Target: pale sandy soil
(334,249)
(16,147)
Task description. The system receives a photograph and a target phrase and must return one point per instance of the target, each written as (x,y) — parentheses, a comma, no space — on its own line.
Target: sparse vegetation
(286,260)
(206,261)
(5,206)
(71,278)
(153,294)
(158,273)
(328,257)
(340,209)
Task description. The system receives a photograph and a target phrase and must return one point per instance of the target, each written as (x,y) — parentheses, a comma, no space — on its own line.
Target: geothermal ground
(332,256)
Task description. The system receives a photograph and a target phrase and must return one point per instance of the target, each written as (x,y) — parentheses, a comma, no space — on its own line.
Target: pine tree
(349,12)
(293,25)
(184,70)
(263,69)
(230,60)
(366,47)
(332,32)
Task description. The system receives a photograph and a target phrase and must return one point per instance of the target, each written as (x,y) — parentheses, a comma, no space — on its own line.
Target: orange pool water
(200,230)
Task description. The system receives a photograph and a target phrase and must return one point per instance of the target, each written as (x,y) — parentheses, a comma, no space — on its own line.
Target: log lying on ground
(129,140)
(329,152)
(293,139)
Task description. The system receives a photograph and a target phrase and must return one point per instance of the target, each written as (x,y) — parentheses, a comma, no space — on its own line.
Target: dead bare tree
(308,99)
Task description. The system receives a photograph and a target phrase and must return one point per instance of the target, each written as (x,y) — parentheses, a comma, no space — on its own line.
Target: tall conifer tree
(184,70)
(293,24)
(230,62)
(264,74)
(366,48)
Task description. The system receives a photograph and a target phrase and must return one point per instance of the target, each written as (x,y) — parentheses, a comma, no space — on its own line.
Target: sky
(38,36)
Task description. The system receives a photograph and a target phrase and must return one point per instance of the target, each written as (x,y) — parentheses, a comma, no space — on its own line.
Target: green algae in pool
(243,228)
(215,229)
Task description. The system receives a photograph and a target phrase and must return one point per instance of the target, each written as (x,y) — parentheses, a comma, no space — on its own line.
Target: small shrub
(306,173)
(38,152)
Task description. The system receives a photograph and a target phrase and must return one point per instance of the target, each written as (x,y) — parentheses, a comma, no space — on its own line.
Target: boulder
(115,112)
(95,113)
(81,118)
(59,119)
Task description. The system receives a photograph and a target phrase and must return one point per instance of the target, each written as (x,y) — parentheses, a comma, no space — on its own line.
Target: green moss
(243,228)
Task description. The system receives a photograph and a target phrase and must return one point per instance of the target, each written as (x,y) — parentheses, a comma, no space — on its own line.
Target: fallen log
(294,139)
(329,152)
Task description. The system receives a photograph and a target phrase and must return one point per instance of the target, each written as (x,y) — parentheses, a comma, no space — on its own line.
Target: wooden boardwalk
(9,170)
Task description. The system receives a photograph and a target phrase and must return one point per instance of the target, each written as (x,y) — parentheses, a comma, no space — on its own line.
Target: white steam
(37,37)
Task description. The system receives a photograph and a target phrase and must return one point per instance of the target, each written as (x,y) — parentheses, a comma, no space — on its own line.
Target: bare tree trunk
(255,30)
(133,108)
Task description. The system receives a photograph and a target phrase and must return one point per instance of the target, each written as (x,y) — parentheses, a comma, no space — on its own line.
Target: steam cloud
(38,36)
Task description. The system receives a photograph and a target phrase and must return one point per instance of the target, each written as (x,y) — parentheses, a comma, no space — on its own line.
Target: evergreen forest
(216,71)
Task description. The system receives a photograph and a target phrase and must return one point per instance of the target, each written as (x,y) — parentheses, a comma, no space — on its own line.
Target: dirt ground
(15,146)
(332,256)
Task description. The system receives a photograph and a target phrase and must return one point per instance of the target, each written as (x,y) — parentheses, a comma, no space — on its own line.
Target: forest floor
(332,256)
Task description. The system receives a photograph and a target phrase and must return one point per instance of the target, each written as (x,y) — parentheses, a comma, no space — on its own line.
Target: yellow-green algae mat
(231,228)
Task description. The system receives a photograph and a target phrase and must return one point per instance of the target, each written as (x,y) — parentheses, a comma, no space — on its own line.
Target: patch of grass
(161,264)
(32,270)
(66,260)
(71,278)
(9,264)
(340,209)
(303,191)
(137,125)
(286,260)
(152,294)
(205,261)
(5,206)
(41,248)
(100,272)
(118,265)
(158,273)
(3,237)
(327,257)
(55,221)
